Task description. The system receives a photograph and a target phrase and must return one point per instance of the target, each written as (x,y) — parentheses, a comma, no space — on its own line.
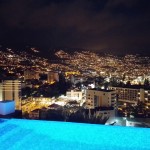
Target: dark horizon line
(72,49)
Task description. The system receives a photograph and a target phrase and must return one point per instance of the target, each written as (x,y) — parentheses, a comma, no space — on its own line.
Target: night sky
(118,26)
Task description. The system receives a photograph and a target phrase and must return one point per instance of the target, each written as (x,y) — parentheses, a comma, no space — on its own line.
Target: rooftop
(133,87)
(103,90)
(18,134)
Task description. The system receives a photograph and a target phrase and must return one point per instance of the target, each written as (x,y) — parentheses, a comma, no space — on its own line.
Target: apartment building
(100,98)
(132,95)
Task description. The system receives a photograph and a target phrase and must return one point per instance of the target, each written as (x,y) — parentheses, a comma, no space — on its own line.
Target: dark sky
(113,25)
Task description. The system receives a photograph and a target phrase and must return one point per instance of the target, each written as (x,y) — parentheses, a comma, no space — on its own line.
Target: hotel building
(10,90)
(100,98)
(132,95)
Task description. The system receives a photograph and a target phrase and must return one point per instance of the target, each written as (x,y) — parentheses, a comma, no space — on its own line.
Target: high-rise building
(52,77)
(100,98)
(31,74)
(10,90)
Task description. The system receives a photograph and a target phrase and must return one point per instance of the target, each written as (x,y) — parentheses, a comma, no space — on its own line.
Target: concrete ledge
(7,107)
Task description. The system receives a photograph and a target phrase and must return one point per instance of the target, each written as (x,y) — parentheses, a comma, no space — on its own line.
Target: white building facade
(75,95)
(100,98)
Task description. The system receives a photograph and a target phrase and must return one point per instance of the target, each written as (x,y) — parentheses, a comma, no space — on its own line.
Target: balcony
(18,134)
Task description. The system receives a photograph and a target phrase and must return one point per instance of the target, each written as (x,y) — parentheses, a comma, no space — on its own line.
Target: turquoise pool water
(48,135)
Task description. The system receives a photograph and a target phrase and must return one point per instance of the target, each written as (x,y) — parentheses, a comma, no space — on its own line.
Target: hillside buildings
(31,74)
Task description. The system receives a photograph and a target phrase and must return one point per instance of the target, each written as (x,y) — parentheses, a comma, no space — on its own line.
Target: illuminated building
(72,73)
(31,74)
(52,77)
(76,79)
(100,98)
(10,90)
(132,95)
(75,95)
(146,95)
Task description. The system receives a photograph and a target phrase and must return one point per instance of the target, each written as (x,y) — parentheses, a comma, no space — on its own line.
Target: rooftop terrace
(18,134)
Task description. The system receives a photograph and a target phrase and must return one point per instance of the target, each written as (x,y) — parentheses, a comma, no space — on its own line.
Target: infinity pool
(48,135)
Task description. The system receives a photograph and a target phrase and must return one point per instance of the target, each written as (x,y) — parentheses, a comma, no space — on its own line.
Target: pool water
(18,134)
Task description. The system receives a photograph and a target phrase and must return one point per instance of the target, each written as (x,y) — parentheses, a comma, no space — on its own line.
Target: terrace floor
(18,134)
